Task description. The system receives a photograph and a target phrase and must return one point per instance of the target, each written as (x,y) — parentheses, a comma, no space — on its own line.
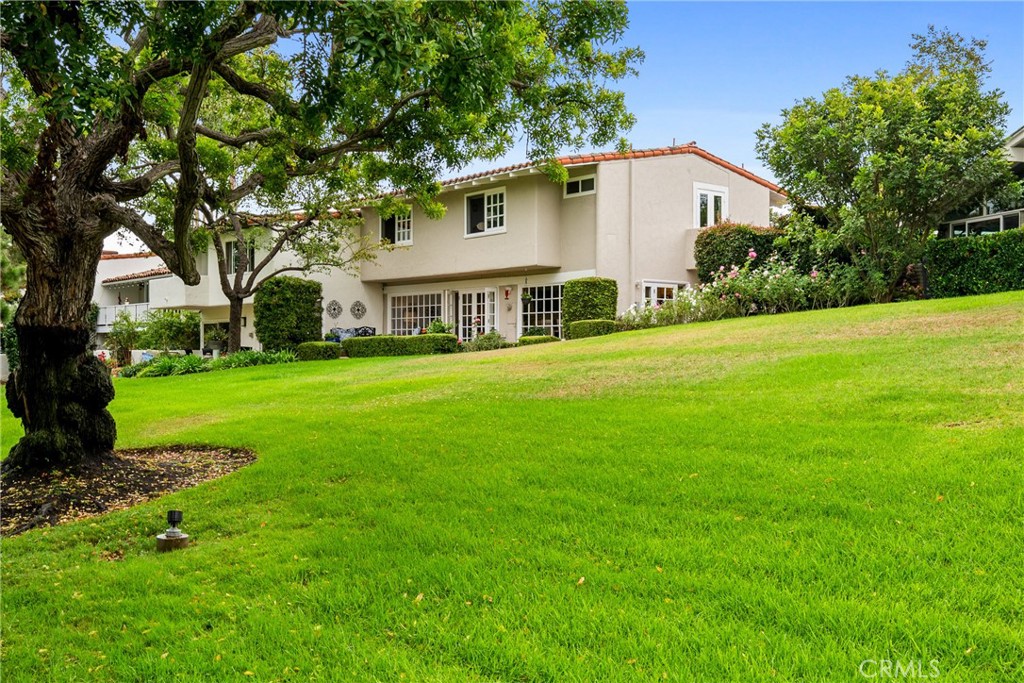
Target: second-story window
(485,212)
(232,256)
(575,187)
(397,229)
(711,205)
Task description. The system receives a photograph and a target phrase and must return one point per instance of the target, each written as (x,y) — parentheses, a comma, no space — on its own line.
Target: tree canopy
(886,158)
(132,115)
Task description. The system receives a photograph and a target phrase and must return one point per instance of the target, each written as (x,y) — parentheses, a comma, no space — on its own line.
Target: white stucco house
(509,240)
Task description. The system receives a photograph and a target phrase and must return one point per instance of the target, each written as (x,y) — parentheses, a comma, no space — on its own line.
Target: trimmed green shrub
(723,246)
(537,339)
(976,265)
(490,341)
(588,298)
(389,345)
(438,326)
(247,359)
(324,350)
(581,329)
(165,366)
(288,312)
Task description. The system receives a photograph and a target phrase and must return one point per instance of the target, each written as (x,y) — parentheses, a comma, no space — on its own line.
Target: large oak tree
(886,158)
(106,104)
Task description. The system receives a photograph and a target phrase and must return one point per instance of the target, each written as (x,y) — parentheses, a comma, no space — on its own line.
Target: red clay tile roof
(152,272)
(596,157)
(107,255)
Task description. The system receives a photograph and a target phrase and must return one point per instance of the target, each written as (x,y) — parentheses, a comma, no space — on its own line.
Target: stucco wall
(651,204)
(441,248)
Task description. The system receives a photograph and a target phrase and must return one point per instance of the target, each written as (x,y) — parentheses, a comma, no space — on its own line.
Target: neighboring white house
(989,219)
(508,242)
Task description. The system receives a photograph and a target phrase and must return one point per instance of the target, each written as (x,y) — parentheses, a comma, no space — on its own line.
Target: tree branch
(108,208)
(262,135)
(309,154)
(140,186)
(279,244)
(281,103)
(190,184)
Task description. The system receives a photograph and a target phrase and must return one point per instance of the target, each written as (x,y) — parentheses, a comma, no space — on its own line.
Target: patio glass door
(477,313)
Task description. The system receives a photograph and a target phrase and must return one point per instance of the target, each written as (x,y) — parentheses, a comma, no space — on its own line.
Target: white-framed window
(478,313)
(576,187)
(485,212)
(397,229)
(542,308)
(710,205)
(232,254)
(411,313)
(657,293)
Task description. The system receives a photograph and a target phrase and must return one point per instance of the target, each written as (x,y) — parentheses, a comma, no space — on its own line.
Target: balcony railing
(109,313)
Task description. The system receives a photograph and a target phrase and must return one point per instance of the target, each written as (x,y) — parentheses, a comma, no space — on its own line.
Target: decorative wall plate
(333,308)
(358,310)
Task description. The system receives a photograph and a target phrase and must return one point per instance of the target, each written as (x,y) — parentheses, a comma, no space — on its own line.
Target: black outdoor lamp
(174,518)
(172,539)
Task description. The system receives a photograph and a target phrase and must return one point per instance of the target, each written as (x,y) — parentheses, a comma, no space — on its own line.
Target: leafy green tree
(888,157)
(251,247)
(382,94)
(12,278)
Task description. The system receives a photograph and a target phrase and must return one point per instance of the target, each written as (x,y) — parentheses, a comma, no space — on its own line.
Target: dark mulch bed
(114,482)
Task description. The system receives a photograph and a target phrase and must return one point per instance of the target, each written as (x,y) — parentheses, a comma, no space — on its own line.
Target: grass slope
(775,498)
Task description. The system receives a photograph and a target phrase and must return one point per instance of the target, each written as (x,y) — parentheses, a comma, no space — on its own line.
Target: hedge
(319,350)
(288,312)
(963,266)
(591,328)
(729,244)
(588,298)
(537,339)
(388,345)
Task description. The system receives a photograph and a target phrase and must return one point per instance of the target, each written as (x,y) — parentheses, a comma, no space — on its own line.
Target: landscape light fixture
(173,538)
(174,518)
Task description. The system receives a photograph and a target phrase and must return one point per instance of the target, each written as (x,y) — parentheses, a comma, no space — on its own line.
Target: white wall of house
(646,217)
(349,291)
(637,226)
(443,249)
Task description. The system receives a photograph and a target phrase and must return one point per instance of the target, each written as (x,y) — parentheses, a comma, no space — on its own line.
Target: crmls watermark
(887,668)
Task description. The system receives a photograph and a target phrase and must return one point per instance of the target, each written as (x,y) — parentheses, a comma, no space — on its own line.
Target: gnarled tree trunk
(60,390)
(235,324)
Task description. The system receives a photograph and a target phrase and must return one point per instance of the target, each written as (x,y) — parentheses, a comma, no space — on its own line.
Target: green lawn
(777,498)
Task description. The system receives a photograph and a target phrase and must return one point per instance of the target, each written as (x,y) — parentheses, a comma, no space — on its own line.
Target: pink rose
(752,255)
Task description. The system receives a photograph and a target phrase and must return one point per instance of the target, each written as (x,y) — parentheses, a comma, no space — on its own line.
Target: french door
(477,313)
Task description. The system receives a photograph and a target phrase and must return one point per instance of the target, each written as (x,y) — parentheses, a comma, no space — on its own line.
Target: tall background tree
(388,94)
(311,223)
(888,157)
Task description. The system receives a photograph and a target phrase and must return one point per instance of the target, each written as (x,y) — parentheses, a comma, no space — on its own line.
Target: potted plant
(215,338)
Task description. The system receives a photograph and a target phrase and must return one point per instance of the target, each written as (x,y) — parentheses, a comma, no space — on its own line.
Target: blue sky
(715,71)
